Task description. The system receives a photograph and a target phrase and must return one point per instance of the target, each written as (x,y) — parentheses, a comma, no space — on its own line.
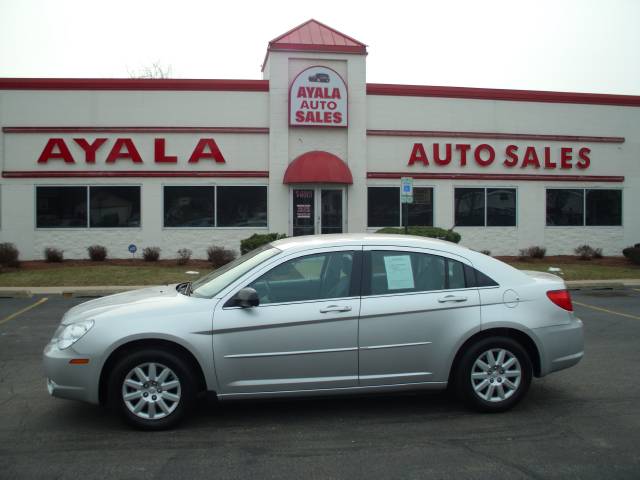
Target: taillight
(561,298)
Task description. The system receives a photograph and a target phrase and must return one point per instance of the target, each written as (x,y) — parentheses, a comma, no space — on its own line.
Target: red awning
(318,167)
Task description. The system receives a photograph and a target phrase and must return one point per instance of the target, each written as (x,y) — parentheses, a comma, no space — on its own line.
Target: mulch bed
(571,259)
(122,262)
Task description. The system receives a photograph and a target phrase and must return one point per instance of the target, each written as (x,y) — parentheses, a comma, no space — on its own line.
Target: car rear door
(304,333)
(415,308)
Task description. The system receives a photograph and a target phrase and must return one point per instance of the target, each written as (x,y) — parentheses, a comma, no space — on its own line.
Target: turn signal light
(79,361)
(561,298)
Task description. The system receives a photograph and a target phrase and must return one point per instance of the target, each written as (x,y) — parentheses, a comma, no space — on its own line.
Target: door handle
(452,298)
(335,308)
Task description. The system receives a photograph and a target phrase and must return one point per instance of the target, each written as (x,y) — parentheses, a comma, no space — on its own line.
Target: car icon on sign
(319,77)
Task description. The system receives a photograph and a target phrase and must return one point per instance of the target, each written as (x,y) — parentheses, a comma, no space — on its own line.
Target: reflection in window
(114,207)
(242,206)
(501,207)
(383,206)
(61,207)
(421,210)
(469,207)
(604,207)
(312,277)
(189,206)
(565,207)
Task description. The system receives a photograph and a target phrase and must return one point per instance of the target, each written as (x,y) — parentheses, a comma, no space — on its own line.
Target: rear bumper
(561,346)
(74,382)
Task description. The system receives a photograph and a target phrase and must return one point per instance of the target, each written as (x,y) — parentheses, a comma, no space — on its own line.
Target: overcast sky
(562,45)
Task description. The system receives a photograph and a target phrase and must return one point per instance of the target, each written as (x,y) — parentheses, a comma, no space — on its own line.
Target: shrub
(53,255)
(486,252)
(9,255)
(431,232)
(184,255)
(151,254)
(536,251)
(633,253)
(585,252)
(219,256)
(257,240)
(523,254)
(97,253)
(597,253)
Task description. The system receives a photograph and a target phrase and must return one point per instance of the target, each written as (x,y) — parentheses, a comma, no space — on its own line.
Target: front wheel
(494,374)
(152,389)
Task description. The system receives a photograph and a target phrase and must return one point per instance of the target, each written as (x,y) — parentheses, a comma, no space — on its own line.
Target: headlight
(72,333)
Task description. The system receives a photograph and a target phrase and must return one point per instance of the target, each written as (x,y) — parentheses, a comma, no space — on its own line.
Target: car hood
(135,298)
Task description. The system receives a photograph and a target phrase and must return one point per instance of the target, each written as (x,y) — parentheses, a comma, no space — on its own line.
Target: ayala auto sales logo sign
(318,98)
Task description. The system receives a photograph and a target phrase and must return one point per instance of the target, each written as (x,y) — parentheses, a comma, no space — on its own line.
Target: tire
(158,385)
(493,388)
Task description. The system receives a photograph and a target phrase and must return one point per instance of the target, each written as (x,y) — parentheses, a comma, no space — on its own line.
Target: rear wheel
(494,374)
(152,389)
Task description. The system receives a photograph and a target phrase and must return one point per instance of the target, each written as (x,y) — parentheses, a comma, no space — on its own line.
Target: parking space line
(20,312)
(606,310)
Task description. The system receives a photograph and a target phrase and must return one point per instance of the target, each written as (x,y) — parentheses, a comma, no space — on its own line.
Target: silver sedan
(331,314)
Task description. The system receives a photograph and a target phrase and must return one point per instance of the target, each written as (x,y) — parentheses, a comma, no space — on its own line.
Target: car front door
(415,308)
(303,335)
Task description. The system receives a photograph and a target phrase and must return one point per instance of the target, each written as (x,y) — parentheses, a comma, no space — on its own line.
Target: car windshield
(210,285)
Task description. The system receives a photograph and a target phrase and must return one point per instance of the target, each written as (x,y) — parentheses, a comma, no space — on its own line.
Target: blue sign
(133,248)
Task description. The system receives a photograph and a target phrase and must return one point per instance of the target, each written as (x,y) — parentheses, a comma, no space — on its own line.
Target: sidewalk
(100,291)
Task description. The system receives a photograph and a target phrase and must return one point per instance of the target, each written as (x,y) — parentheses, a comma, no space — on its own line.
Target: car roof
(335,240)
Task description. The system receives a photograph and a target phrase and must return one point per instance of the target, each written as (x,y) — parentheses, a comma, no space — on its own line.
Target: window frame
(215,206)
(401,215)
(584,207)
(87,187)
(486,209)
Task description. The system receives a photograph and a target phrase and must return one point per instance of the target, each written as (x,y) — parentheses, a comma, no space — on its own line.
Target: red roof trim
(494,136)
(134,130)
(318,167)
(136,174)
(498,176)
(502,94)
(133,84)
(295,47)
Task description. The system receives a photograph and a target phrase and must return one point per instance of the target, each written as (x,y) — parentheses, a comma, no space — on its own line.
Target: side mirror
(246,298)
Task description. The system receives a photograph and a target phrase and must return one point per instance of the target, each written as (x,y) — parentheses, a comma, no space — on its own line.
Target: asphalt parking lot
(580,423)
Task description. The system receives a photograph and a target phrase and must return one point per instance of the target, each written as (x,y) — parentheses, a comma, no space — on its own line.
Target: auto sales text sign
(318,98)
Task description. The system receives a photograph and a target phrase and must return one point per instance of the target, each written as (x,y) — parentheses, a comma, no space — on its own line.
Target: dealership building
(312,148)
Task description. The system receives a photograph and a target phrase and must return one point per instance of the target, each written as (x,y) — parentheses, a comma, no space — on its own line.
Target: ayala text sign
(513,156)
(123,150)
(318,98)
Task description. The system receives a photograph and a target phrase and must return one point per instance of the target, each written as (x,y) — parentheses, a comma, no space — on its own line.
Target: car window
(312,277)
(401,272)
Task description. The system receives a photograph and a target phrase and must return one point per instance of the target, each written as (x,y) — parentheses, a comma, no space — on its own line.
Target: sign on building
(318,98)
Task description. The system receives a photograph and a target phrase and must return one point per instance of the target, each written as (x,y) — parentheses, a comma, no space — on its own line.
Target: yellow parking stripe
(593,307)
(20,312)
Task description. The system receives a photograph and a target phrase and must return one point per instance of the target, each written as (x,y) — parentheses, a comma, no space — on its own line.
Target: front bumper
(561,346)
(64,380)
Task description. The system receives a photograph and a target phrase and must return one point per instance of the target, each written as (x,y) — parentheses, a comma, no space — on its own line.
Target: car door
(415,308)
(303,335)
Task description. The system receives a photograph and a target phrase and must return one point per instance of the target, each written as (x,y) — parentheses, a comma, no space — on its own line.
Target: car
(320,77)
(320,315)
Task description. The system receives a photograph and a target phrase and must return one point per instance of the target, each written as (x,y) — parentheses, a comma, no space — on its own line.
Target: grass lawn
(128,272)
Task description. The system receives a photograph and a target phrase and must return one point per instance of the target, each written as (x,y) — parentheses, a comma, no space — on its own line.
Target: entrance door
(317,210)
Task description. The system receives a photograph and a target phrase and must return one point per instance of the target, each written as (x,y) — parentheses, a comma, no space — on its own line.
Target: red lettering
(512,156)
(584,161)
(463,148)
(304,104)
(200,152)
(302,93)
(130,152)
(436,154)
(547,158)
(332,105)
(327,117)
(479,149)
(418,155)
(159,152)
(90,148)
(62,152)
(300,116)
(566,153)
(530,158)
(337,117)
(335,93)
